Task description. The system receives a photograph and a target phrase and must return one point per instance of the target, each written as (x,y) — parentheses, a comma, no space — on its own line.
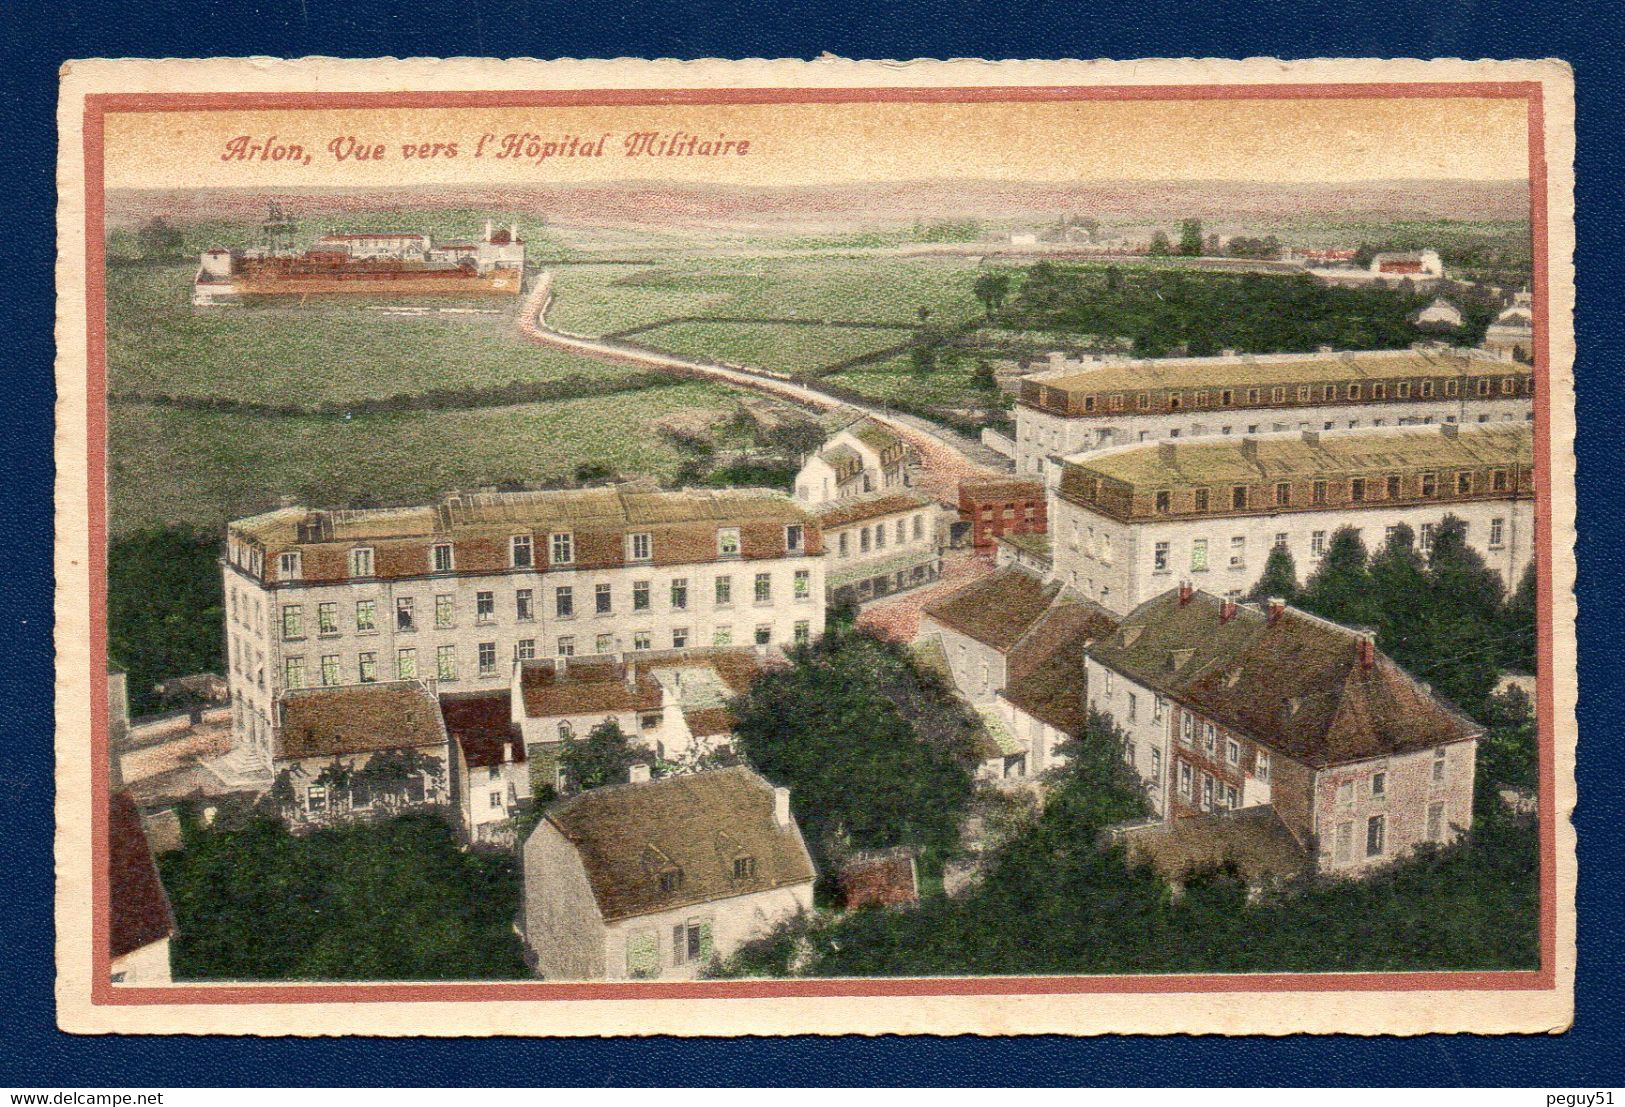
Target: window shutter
(642,954)
(679,943)
(705,941)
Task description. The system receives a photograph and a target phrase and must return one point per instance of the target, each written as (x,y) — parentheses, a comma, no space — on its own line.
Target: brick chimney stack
(1276,607)
(638,773)
(1227,611)
(1367,647)
(1186,591)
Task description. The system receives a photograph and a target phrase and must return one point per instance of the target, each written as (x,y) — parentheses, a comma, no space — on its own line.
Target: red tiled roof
(585,688)
(883,878)
(480,722)
(138,906)
(997,609)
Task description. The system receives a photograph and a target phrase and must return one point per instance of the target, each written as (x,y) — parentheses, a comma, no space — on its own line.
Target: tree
(984,378)
(1279,579)
(875,751)
(605,756)
(158,239)
(1340,588)
(1457,643)
(1160,246)
(165,610)
(1398,586)
(793,439)
(992,289)
(1518,625)
(1190,238)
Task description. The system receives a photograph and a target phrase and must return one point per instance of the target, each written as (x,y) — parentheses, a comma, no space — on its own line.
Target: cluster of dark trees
(165,611)
(1165,312)
(1054,900)
(1444,616)
(389,900)
(875,750)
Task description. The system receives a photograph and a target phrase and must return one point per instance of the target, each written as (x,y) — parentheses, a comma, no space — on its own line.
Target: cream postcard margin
(1225,1012)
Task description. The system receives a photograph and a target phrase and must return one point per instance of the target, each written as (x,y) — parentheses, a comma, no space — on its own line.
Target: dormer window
(361,562)
(287,567)
(1163,500)
(563,548)
(521,554)
(440,557)
(744,868)
(728,542)
(639,547)
(671,880)
(795,537)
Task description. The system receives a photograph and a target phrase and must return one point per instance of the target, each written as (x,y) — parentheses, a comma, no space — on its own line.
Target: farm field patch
(201,469)
(317,352)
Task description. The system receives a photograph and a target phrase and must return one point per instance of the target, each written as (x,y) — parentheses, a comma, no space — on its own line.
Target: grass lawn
(335,351)
(894,379)
(606,299)
(786,347)
(172,467)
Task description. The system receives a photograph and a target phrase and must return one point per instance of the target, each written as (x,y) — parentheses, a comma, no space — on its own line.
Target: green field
(787,348)
(321,351)
(170,467)
(895,380)
(606,299)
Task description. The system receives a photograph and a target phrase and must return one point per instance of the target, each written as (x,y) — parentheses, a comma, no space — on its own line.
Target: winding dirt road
(945,457)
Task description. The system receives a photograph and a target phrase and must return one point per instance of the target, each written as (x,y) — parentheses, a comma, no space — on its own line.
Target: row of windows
(1212,792)
(407,615)
(330,669)
(1354,392)
(1239,497)
(1161,552)
(521,551)
(1232,751)
(875,537)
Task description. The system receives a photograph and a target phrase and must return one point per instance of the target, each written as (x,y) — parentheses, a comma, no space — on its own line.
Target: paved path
(946,458)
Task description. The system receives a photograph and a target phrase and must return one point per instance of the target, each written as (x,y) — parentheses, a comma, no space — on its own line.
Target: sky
(1321,140)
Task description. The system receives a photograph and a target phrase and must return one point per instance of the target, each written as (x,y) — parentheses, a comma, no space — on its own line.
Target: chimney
(638,773)
(513,232)
(488,229)
(507,752)
(631,678)
(1227,611)
(1311,438)
(1186,591)
(1367,647)
(1249,450)
(1449,430)
(1276,607)
(781,806)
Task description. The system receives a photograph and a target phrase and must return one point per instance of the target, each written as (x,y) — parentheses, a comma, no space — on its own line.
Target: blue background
(37,36)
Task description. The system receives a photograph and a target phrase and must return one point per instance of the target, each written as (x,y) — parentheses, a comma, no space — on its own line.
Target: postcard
(837,547)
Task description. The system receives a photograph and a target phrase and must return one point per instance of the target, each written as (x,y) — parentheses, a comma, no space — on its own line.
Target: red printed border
(97,107)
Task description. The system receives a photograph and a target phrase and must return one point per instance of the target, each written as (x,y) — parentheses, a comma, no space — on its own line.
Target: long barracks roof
(1262,370)
(1298,687)
(693,826)
(839,513)
(1218,460)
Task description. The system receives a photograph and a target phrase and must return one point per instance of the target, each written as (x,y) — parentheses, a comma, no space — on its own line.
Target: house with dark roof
(657,879)
(860,458)
(359,751)
(672,703)
(140,922)
(1231,706)
(1013,646)
(490,774)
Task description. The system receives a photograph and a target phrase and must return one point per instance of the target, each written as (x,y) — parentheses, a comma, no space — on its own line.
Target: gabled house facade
(659,879)
(490,774)
(1230,707)
(860,458)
